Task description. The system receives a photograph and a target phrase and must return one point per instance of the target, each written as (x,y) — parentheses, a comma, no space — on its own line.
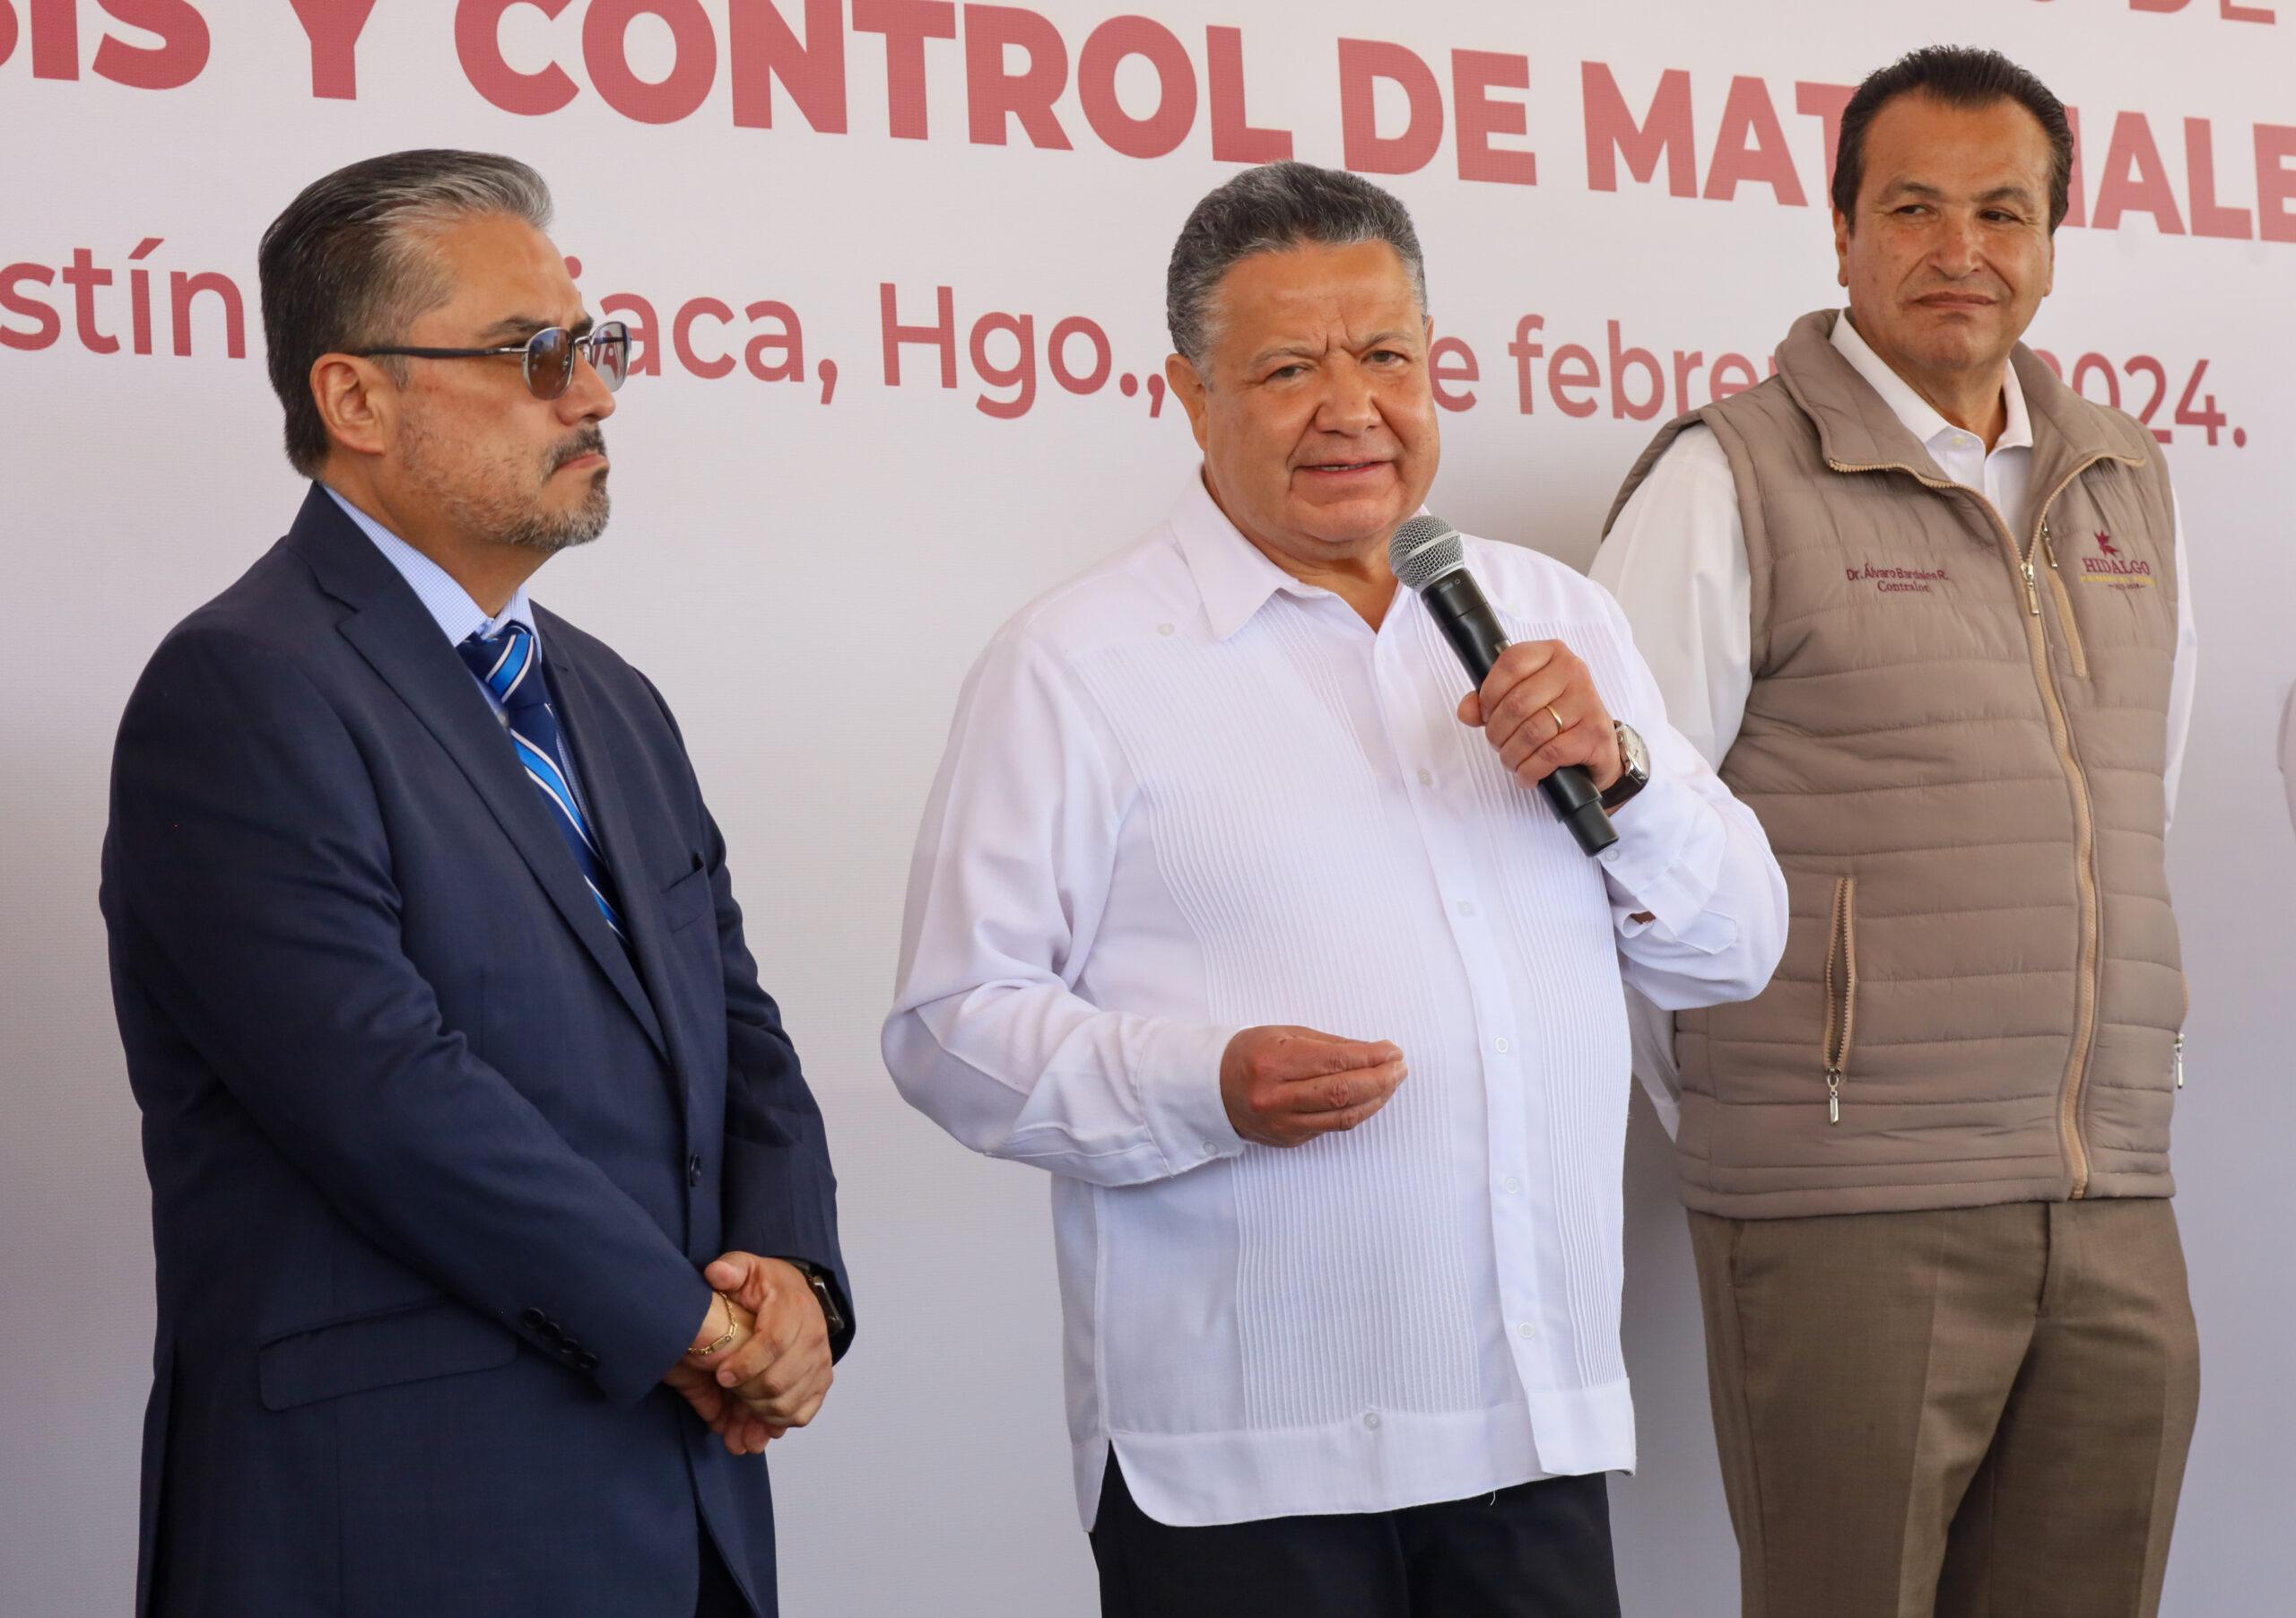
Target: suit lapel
(586,720)
(396,635)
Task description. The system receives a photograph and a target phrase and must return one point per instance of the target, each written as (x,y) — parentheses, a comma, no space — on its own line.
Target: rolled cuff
(1668,859)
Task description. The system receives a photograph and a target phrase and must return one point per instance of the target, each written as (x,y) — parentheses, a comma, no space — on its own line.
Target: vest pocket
(1840,991)
(2065,616)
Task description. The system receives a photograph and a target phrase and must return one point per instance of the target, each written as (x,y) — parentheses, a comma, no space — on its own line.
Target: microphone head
(1424,550)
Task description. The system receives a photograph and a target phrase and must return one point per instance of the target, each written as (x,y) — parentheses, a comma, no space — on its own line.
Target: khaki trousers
(1971,1412)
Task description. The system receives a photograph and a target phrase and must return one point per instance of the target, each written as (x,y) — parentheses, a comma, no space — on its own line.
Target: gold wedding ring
(1559,725)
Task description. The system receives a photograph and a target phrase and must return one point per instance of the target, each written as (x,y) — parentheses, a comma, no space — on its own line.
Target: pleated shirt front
(1186,794)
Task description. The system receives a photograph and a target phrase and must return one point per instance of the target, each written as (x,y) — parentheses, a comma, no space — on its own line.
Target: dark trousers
(1540,1550)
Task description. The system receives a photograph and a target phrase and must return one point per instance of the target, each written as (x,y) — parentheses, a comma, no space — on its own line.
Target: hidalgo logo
(2109,567)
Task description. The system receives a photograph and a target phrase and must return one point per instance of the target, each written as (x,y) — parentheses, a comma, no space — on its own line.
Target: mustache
(590,441)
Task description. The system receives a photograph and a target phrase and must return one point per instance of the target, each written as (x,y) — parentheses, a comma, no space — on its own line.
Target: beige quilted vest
(1956,740)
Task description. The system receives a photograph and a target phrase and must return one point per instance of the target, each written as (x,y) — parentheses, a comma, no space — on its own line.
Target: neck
(1360,575)
(1974,405)
(489,571)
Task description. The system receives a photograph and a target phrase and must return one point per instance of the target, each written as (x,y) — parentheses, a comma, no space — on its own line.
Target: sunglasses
(549,356)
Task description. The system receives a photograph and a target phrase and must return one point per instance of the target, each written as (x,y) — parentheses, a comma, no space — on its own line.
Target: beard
(499,495)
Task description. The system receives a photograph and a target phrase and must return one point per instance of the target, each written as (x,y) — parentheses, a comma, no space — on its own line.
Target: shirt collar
(1234,576)
(458,616)
(1919,417)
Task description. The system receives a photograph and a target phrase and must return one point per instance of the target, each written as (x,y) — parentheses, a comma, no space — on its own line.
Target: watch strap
(832,1316)
(1632,776)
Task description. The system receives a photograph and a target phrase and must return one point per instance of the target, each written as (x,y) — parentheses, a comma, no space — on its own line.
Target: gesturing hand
(1285,1086)
(781,1371)
(1539,707)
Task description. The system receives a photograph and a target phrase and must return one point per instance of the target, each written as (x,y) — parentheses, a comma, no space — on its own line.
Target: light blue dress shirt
(458,615)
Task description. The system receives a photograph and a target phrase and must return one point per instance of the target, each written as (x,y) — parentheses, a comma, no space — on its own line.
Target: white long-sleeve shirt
(1185,795)
(1675,560)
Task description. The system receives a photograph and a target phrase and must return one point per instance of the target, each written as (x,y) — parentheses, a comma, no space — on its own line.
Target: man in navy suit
(495,1228)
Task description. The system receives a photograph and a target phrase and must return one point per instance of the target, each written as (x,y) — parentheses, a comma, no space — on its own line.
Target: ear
(357,400)
(1188,385)
(1841,248)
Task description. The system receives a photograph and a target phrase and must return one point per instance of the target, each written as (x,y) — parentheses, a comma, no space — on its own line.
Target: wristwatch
(832,1316)
(1635,775)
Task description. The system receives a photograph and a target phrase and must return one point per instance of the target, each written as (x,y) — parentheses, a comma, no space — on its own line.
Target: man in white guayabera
(1922,605)
(1236,910)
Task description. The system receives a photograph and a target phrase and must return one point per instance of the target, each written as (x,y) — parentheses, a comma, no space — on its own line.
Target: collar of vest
(1858,431)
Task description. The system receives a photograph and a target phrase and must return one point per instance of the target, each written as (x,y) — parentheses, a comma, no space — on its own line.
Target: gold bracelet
(703,1353)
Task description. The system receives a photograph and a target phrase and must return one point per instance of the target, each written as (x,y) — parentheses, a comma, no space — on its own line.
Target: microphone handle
(1472,628)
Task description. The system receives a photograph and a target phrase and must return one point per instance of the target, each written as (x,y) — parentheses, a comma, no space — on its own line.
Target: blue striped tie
(509,662)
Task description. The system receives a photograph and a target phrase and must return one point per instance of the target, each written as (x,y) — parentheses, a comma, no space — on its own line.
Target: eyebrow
(515,327)
(1301,351)
(1910,188)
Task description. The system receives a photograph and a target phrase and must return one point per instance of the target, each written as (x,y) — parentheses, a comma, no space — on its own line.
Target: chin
(551,532)
(1352,522)
(1952,346)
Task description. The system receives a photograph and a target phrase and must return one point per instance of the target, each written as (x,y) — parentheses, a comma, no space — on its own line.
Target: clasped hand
(775,1372)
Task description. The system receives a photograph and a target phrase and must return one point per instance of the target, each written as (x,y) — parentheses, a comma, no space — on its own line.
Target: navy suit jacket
(435,1160)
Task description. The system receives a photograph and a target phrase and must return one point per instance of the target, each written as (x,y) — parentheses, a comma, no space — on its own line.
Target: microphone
(1427,555)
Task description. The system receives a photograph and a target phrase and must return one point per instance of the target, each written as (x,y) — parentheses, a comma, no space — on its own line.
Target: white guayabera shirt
(1185,795)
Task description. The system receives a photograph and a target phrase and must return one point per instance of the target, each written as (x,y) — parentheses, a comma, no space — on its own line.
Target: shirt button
(1527,1331)
(1164,628)
(1512,1185)
(1500,1045)
(1427,777)
(1465,907)
(1371,1420)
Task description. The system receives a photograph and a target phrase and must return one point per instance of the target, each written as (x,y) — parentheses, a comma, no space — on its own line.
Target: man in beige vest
(1922,605)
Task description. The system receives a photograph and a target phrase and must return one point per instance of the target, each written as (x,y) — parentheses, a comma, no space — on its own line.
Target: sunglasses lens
(549,362)
(610,354)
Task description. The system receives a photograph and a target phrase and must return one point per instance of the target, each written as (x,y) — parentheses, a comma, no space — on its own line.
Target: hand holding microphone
(1535,702)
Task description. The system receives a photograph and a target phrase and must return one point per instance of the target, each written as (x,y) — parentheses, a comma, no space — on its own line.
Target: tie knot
(507,663)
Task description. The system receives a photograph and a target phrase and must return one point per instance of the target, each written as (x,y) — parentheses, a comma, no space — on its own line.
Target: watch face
(1632,753)
(1634,767)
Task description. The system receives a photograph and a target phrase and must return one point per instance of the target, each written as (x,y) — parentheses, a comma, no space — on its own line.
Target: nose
(1345,405)
(587,398)
(1955,251)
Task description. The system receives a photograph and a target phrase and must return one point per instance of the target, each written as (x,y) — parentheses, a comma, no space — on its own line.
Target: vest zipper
(2179,1045)
(1841,1010)
(2084,829)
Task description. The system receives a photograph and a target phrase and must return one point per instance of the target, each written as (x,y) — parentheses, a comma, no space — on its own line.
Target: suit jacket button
(532,1320)
(585,1360)
(693,1170)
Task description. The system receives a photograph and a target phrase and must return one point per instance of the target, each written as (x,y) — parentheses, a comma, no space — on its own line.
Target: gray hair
(349,264)
(1267,210)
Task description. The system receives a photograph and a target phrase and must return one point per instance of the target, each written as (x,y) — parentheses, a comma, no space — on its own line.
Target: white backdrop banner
(896,270)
